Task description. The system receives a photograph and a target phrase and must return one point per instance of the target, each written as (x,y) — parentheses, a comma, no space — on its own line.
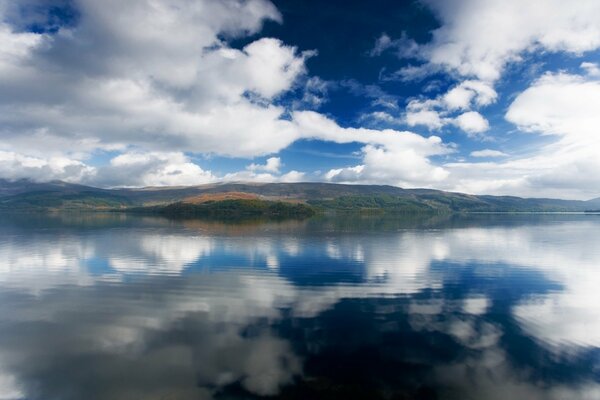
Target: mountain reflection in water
(474,307)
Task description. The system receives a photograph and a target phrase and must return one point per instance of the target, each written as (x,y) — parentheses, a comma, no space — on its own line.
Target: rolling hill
(57,195)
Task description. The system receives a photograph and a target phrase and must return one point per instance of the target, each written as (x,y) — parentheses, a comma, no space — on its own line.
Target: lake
(104,306)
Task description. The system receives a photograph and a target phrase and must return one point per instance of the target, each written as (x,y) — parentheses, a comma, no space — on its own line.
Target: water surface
(100,306)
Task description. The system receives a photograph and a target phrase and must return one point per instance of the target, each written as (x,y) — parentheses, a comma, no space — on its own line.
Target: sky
(478,96)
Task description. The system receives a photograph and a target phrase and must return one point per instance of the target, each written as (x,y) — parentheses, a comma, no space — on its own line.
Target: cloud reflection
(196,311)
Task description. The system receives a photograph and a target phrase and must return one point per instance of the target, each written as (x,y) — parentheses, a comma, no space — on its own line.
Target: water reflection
(482,307)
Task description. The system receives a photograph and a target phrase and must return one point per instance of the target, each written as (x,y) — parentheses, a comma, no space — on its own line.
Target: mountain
(26,195)
(8,188)
(593,204)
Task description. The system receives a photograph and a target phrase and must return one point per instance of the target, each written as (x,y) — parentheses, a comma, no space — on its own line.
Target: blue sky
(495,97)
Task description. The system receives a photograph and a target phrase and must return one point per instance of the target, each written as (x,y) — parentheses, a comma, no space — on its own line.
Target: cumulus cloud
(158,80)
(160,83)
(478,38)
(486,153)
(472,122)
(151,169)
(406,168)
(159,76)
(127,169)
(424,113)
(270,171)
(272,164)
(475,42)
(561,106)
(389,156)
(15,166)
(441,111)
(463,95)
(592,69)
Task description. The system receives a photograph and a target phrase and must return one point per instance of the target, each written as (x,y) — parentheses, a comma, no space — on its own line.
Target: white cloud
(9,388)
(15,166)
(382,43)
(472,122)
(315,93)
(591,69)
(272,164)
(458,98)
(400,167)
(558,105)
(293,176)
(410,73)
(462,95)
(151,169)
(389,156)
(425,112)
(379,116)
(314,125)
(404,46)
(436,113)
(126,169)
(488,153)
(270,171)
(136,169)
(158,77)
(429,118)
(478,38)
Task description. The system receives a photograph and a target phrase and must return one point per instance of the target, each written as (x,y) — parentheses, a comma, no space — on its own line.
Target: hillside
(232,208)
(27,195)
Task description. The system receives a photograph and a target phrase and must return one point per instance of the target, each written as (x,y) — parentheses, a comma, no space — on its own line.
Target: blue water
(100,306)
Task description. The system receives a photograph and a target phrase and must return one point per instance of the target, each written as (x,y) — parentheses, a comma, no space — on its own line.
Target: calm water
(480,307)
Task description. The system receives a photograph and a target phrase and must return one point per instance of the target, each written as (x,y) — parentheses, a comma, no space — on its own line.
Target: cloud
(272,164)
(315,93)
(400,167)
(422,113)
(270,171)
(293,176)
(475,42)
(162,82)
(563,107)
(559,104)
(377,95)
(15,166)
(136,169)
(150,169)
(478,38)
(389,156)
(158,80)
(438,112)
(127,169)
(467,92)
(404,46)
(488,153)
(591,69)
(472,122)
(409,73)
(159,77)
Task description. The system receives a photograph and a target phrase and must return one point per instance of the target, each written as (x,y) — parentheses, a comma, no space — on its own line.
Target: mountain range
(58,195)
